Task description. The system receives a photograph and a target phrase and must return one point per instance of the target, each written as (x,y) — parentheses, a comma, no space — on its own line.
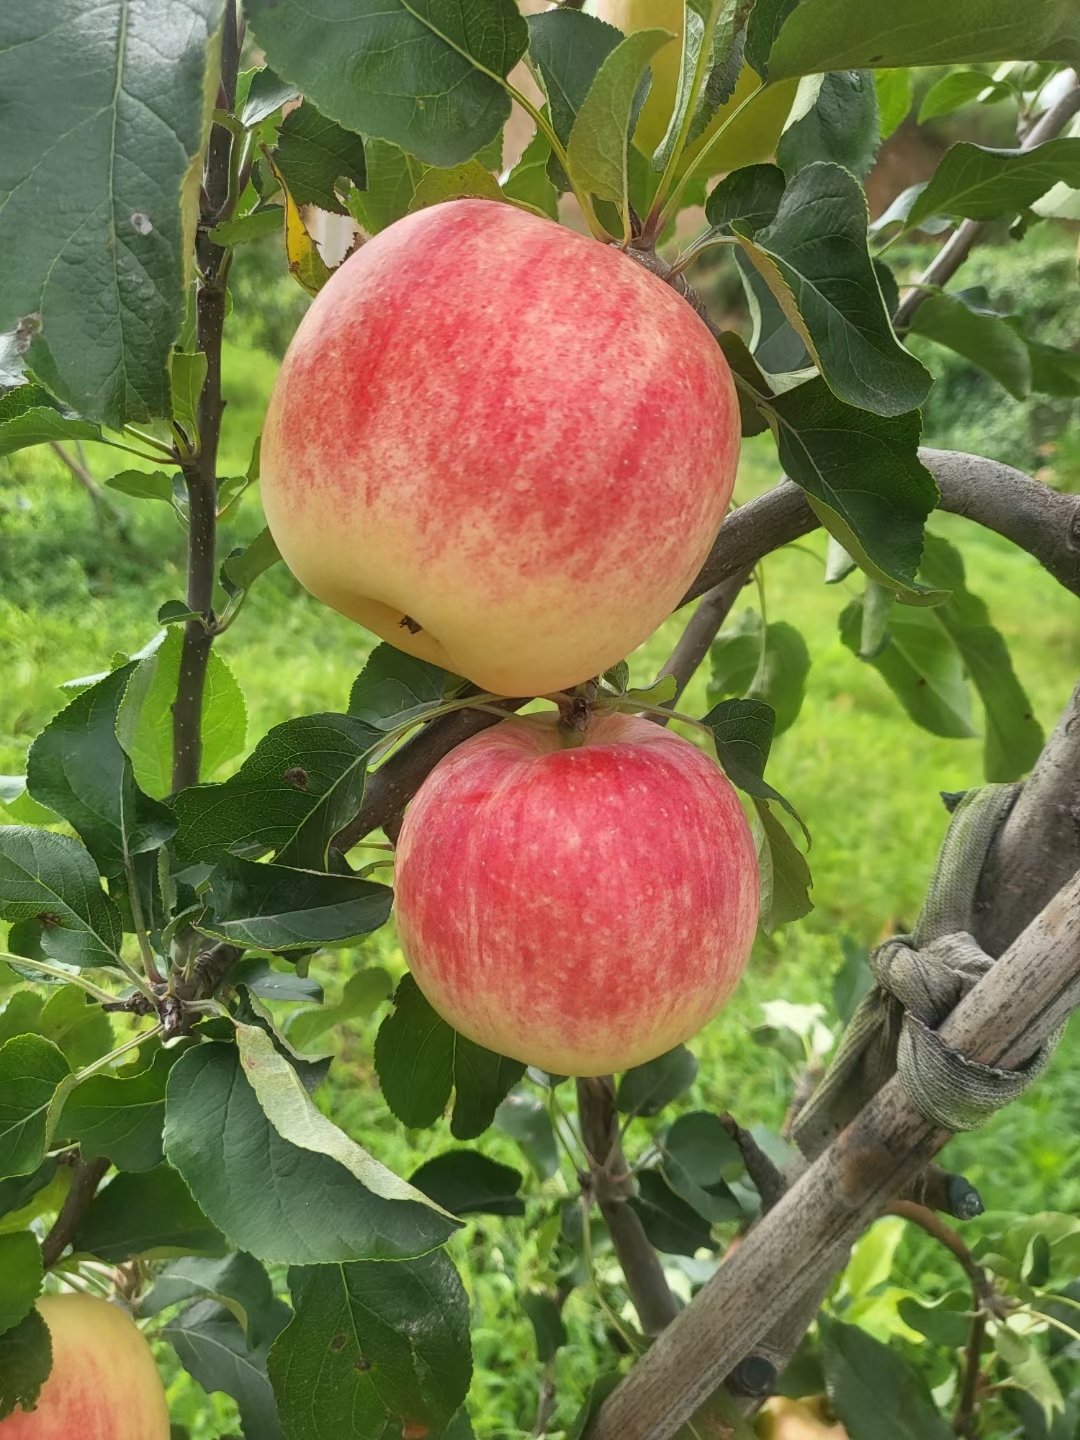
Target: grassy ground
(72,592)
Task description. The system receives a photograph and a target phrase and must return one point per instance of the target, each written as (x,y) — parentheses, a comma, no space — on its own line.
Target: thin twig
(88,1176)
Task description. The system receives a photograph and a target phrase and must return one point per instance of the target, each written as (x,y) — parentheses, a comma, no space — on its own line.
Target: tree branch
(1001,1021)
(1038,519)
(200,468)
(1038,848)
(959,244)
(84,1183)
(701,630)
(611,1186)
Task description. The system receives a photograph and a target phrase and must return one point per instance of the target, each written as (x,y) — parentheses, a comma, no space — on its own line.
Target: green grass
(72,593)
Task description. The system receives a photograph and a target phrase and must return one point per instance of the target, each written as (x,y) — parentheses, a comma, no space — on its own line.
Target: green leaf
(1014,737)
(372,1344)
(525,1119)
(259,976)
(145,721)
(392,177)
(1029,1370)
(237,1281)
(213,1349)
(419,1059)
(719,75)
(670,1224)
(816,260)
(599,1391)
(20,1277)
(529,181)
(777,346)
(364,991)
(120,1116)
(143,485)
(29,416)
(76,1025)
(944,1322)
(105,271)
(596,152)
(465,1182)
(646,1089)
(394,688)
(751,196)
(743,732)
(704,1149)
(983,184)
(25,1362)
(895,90)
(266,94)
(273,907)
(270,220)
(243,567)
(863,478)
(763,26)
(769,665)
(874,1390)
(187,374)
(842,126)
(785,875)
(822,35)
(313,153)
(301,784)
(17,1194)
(568,48)
(921,665)
(957,89)
(545,1316)
(312,1195)
(151,1215)
(78,768)
(980,336)
(469,180)
(52,878)
(424,76)
(21,806)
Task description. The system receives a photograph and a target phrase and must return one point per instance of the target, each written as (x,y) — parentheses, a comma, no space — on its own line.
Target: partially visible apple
(748,140)
(104,1383)
(783,1419)
(580,908)
(502,446)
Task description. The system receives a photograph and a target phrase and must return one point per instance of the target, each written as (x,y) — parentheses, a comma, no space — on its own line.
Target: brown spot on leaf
(297,777)
(338,1342)
(362,1363)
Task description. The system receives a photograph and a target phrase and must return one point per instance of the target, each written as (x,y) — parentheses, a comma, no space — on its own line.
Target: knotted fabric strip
(920,979)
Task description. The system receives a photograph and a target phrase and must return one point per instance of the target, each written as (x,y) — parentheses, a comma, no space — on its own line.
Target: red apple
(501,445)
(104,1384)
(579,908)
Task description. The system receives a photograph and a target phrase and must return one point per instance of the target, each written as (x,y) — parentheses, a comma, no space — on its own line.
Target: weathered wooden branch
(1002,1021)
(1039,845)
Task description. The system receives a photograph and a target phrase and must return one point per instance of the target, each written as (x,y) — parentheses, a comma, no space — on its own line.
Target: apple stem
(575,713)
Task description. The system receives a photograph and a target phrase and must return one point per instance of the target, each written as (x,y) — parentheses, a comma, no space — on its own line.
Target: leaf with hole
(313,154)
(373,1344)
(105,270)
(301,784)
